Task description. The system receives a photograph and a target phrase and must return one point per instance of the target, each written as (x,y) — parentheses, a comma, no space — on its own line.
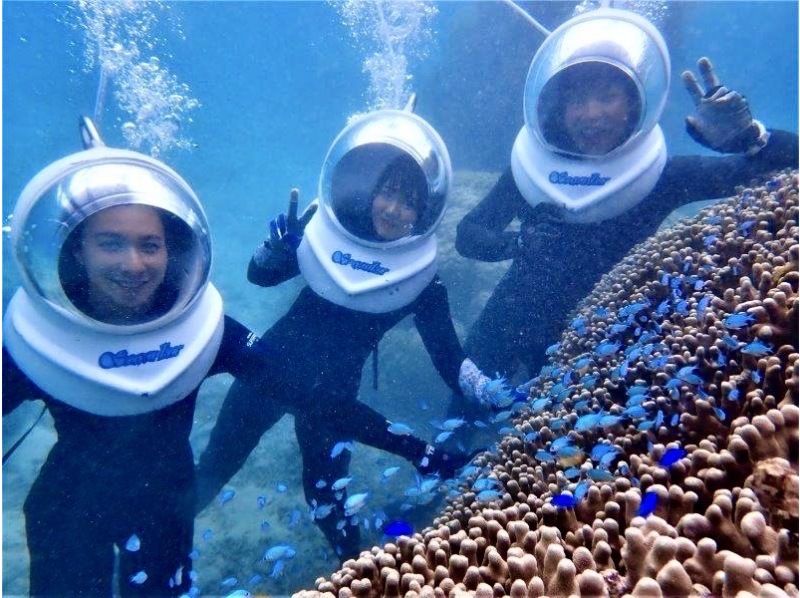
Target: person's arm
(435,325)
(17,387)
(275,260)
(722,121)
(481,235)
(245,414)
(691,178)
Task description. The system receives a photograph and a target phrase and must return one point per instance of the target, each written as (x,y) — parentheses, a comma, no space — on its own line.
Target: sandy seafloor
(409,391)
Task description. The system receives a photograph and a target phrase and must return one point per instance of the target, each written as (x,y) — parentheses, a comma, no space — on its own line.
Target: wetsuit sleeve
(481,235)
(241,354)
(692,178)
(269,268)
(17,387)
(435,325)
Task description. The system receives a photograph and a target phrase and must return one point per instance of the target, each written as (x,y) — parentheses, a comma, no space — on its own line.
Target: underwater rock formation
(657,455)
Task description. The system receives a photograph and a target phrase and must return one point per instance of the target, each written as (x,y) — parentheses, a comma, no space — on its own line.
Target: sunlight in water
(122,40)
(391,33)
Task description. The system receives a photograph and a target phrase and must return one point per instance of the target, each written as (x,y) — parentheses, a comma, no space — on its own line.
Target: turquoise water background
(276,82)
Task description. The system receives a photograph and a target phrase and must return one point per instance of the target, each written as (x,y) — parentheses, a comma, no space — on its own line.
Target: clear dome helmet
(593,162)
(114,253)
(382,193)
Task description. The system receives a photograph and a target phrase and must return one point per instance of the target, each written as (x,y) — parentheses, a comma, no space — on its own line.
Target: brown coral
(725,516)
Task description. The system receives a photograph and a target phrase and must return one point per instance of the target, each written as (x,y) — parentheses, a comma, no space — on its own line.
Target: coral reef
(657,455)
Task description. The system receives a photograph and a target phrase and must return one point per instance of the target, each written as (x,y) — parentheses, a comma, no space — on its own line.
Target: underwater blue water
(276,81)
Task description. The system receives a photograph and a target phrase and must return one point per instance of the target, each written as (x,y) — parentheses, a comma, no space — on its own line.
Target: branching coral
(678,401)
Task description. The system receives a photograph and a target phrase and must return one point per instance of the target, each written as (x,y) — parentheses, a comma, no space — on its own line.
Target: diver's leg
(164,523)
(246,413)
(317,437)
(70,553)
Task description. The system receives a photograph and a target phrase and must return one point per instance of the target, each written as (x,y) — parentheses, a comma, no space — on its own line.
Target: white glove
(471,380)
(722,120)
(476,385)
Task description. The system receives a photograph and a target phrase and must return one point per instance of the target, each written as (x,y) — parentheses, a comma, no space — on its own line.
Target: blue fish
(755,376)
(278,552)
(730,342)
(601,312)
(663,308)
(709,240)
(560,442)
(321,483)
(545,457)
(339,447)
(389,472)
(757,348)
(601,449)
(207,535)
(487,495)
(633,308)
(659,419)
(133,544)
(733,395)
(688,374)
(569,452)
(746,226)
(226,496)
(606,460)
(588,422)
(581,489)
(261,501)
(294,517)
(277,569)
(564,501)
(281,487)
(600,475)
(672,456)
(234,594)
(398,527)
(531,436)
(229,582)
(648,504)
(552,349)
(609,421)
(400,429)
(720,413)
(607,348)
(138,578)
(442,437)
(737,320)
(540,405)
(682,307)
(618,328)
(572,473)
(674,420)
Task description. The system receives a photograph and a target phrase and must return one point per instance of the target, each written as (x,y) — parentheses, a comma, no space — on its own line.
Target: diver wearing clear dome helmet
(115,328)
(368,256)
(590,178)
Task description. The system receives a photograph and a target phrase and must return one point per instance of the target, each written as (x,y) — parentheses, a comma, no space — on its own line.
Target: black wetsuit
(322,348)
(107,478)
(557,263)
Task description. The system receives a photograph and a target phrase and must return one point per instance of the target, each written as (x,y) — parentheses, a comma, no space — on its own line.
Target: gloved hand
(722,120)
(286,232)
(443,463)
(476,385)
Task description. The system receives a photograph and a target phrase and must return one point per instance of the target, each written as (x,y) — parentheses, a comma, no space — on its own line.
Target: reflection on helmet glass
(589,109)
(125,264)
(380,194)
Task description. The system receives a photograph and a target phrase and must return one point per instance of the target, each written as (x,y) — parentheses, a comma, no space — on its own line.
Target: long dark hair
(178,238)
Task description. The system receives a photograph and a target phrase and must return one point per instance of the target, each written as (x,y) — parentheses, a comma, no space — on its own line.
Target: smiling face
(394,212)
(597,118)
(123,251)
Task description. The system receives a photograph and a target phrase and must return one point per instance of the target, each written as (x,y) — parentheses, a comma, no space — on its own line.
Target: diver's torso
(326,342)
(588,249)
